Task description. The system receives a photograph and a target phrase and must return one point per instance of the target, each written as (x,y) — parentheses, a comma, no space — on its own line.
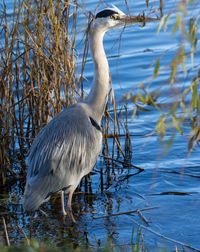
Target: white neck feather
(97,97)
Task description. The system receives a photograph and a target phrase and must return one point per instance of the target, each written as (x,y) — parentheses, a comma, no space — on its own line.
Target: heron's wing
(67,146)
(63,152)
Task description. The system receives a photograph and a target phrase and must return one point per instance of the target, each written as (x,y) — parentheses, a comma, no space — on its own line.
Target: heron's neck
(97,97)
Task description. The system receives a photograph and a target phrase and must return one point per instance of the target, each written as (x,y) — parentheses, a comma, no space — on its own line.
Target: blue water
(175,216)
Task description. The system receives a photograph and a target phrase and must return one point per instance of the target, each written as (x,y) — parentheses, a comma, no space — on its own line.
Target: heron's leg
(63,203)
(69,203)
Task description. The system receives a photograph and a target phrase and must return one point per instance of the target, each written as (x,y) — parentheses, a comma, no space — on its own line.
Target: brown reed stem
(123,163)
(127,212)
(6,232)
(22,230)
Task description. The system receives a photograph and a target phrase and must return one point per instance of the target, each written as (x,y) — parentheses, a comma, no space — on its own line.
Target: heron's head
(107,19)
(111,18)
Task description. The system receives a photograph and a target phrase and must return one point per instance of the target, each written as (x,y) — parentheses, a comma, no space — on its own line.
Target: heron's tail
(36,193)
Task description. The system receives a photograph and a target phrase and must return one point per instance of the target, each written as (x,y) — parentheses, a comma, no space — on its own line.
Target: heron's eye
(114,16)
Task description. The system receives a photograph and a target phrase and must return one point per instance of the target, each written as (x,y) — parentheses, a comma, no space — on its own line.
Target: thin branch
(127,212)
(123,163)
(22,230)
(6,233)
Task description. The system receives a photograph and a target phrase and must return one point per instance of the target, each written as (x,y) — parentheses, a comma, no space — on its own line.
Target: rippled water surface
(169,184)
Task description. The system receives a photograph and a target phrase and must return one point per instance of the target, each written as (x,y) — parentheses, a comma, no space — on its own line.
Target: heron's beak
(129,20)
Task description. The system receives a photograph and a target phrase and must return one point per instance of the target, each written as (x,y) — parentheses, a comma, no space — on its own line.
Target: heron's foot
(64,213)
(70,214)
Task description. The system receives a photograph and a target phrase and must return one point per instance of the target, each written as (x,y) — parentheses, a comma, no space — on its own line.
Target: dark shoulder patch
(94,123)
(105,13)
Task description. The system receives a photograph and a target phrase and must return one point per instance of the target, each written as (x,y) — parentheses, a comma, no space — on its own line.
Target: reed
(37,79)
(37,65)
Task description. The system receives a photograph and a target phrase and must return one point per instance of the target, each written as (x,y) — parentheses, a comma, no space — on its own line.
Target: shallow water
(175,196)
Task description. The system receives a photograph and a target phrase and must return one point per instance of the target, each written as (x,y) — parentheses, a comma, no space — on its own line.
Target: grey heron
(66,149)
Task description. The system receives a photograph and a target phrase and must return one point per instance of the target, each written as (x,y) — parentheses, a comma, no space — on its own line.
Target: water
(175,196)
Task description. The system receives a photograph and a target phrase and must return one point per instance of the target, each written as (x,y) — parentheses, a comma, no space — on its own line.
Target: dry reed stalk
(37,73)
(124,163)
(126,212)
(6,232)
(22,230)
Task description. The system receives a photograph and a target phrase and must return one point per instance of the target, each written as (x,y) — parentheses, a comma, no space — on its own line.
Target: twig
(5,230)
(123,163)
(150,134)
(127,212)
(182,173)
(143,218)
(122,135)
(28,241)
(121,179)
(164,237)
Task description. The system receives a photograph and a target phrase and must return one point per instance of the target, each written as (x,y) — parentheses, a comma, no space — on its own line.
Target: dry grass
(37,73)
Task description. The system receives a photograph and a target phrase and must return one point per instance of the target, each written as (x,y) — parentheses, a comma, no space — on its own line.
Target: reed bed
(38,79)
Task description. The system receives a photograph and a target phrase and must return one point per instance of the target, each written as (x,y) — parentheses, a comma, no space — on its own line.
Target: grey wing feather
(63,152)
